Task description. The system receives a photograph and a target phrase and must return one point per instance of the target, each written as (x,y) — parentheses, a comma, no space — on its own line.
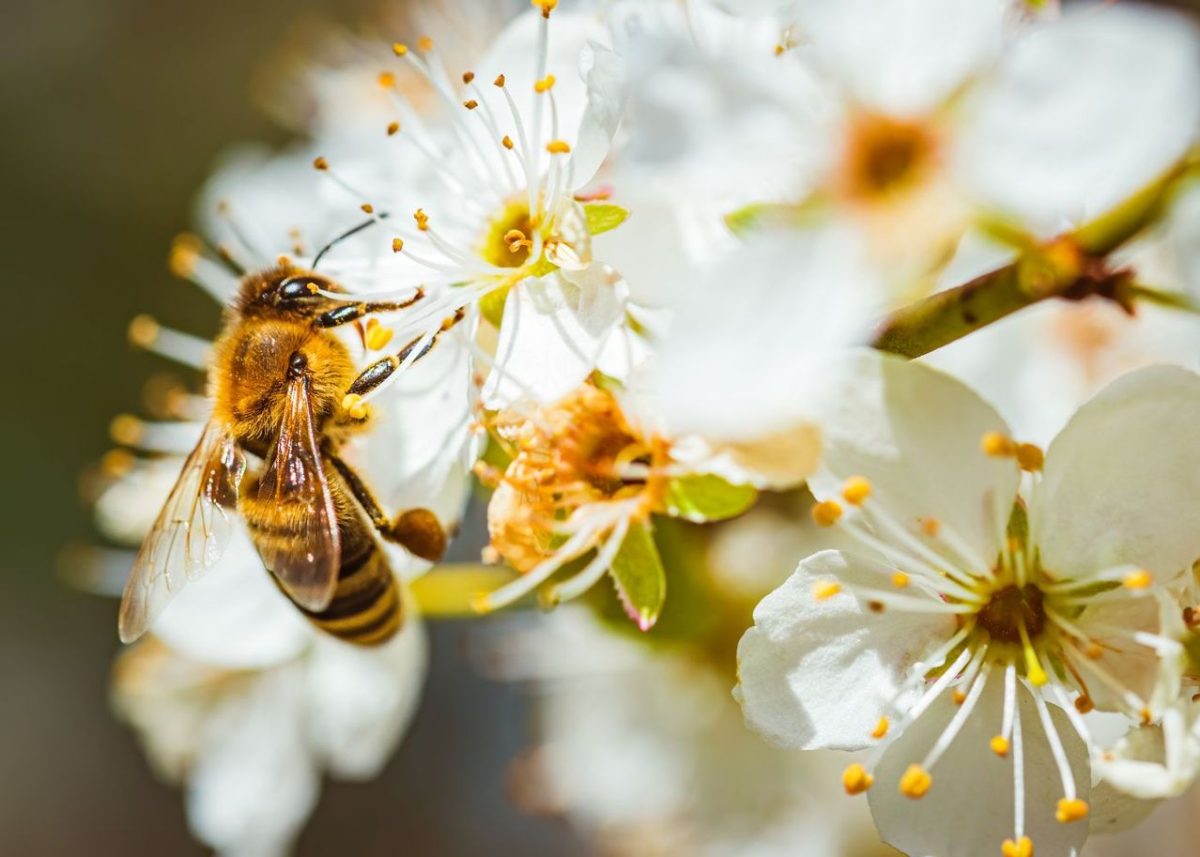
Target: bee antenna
(347,234)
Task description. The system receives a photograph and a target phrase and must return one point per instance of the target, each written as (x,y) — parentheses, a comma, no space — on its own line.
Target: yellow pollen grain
(856,779)
(425,44)
(506,141)
(393,128)
(881,728)
(367,208)
(468,76)
(826,513)
(399,48)
(856,490)
(126,429)
(916,782)
(397,245)
(558,147)
(900,580)
(470,104)
(1139,579)
(545,84)
(1071,809)
(1023,847)
(143,330)
(320,163)
(377,336)
(931,526)
(1030,457)
(823,590)
(999,745)
(422,219)
(354,405)
(387,79)
(997,445)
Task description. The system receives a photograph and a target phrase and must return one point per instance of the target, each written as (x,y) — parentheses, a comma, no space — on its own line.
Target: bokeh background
(113,112)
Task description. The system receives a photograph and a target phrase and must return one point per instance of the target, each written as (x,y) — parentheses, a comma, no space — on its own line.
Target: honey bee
(279,383)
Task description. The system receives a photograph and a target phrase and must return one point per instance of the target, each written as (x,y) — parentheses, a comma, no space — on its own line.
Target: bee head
(288,290)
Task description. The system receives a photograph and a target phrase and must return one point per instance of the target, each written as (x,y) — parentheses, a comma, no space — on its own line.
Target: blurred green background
(113,112)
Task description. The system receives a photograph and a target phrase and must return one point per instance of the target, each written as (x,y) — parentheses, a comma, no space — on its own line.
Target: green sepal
(638,573)
(604,216)
(707,497)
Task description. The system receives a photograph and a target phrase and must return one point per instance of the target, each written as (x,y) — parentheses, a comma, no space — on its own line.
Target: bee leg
(416,530)
(346,313)
(382,369)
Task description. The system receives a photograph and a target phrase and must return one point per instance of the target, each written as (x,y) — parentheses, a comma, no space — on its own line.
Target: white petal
(361,700)
(821,673)
(1084,111)
(969,811)
(905,56)
(915,434)
(235,616)
(1111,810)
(745,356)
(1121,480)
(551,338)
(254,782)
(604,76)
(1159,761)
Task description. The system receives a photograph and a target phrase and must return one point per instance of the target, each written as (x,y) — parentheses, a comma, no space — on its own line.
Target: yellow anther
(126,429)
(779,49)
(916,782)
(856,490)
(185,250)
(997,445)
(117,462)
(1030,457)
(1023,847)
(367,208)
(826,513)
(470,104)
(1071,809)
(1036,675)
(958,696)
(422,219)
(399,48)
(499,81)
(881,728)
(1139,579)
(999,745)
(397,245)
(1084,704)
(387,79)
(393,128)
(320,163)
(1147,716)
(516,240)
(545,84)
(547,6)
(1094,651)
(506,141)
(143,330)
(856,779)
(354,405)
(558,147)
(900,580)
(823,590)
(377,336)
(468,76)
(930,526)
(425,44)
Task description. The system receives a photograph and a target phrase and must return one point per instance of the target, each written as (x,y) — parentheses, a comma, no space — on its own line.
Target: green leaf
(601,217)
(640,578)
(707,497)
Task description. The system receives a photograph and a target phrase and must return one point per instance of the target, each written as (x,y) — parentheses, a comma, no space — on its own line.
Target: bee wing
(306,561)
(190,533)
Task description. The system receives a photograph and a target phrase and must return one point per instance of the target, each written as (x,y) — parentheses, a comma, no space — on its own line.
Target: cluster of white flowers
(695,289)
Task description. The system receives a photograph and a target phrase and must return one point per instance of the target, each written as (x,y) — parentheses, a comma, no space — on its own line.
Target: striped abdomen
(366,607)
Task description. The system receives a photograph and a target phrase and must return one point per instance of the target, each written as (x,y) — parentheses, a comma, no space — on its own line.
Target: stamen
(997,445)
(535,577)
(826,513)
(856,780)
(856,490)
(145,332)
(1069,808)
(1030,458)
(594,570)
(881,728)
(377,336)
(1023,847)
(1018,773)
(558,147)
(1033,666)
(978,674)
(900,580)
(915,782)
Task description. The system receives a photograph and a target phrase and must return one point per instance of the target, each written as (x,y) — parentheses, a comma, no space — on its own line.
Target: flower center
(509,236)
(1011,608)
(884,155)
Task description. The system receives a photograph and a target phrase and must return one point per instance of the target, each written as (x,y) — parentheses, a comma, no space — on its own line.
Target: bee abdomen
(366,608)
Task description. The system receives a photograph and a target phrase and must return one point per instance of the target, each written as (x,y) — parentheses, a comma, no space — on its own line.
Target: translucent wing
(306,554)
(190,533)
